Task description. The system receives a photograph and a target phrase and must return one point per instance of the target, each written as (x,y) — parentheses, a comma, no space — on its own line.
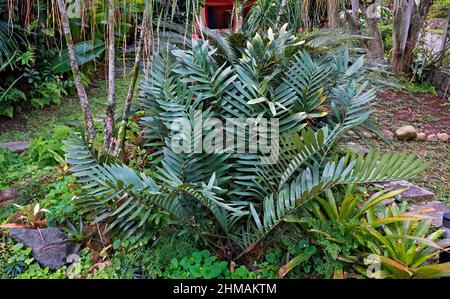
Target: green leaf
(84,52)
(433,271)
(299,259)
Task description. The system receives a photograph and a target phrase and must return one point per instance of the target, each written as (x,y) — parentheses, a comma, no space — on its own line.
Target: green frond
(372,167)
(308,77)
(197,70)
(124,198)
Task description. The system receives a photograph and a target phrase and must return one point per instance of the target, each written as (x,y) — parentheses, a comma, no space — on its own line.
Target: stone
(8,196)
(421,136)
(406,133)
(432,137)
(440,77)
(352,134)
(388,134)
(73,124)
(49,245)
(354,147)
(16,147)
(437,209)
(412,192)
(442,137)
(100,116)
(367,135)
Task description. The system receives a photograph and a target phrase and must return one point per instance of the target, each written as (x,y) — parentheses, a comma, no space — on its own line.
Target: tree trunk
(134,75)
(280,12)
(408,20)
(376,42)
(444,42)
(84,101)
(352,20)
(304,11)
(355,10)
(109,121)
(333,13)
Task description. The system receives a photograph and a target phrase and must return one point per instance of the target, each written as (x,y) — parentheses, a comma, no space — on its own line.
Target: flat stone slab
(48,245)
(100,116)
(73,124)
(354,147)
(16,147)
(438,210)
(412,192)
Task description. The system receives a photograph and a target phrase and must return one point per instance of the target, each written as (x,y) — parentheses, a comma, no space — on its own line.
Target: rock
(442,137)
(16,147)
(354,147)
(421,136)
(48,246)
(412,192)
(72,124)
(352,134)
(406,133)
(440,77)
(8,196)
(388,134)
(438,210)
(367,135)
(432,137)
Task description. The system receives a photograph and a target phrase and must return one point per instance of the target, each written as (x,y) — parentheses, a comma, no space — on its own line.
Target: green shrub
(58,200)
(439,9)
(49,93)
(386,35)
(41,147)
(17,172)
(9,97)
(8,159)
(30,178)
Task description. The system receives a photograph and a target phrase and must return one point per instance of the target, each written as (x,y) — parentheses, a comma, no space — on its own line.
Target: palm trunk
(109,121)
(280,12)
(134,75)
(84,101)
(408,20)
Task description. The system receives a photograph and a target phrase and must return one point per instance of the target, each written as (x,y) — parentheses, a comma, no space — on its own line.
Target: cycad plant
(235,198)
